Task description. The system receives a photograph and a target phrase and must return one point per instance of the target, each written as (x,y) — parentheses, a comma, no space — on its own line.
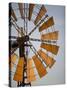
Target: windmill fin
(21,9)
(51,48)
(40,14)
(41,69)
(30,71)
(31,7)
(18,76)
(47,24)
(13,60)
(50,36)
(49,61)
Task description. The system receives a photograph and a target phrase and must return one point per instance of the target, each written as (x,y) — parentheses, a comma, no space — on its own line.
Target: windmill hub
(26,38)
(23,39)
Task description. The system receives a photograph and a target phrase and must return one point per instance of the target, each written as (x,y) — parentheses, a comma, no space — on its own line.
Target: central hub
(23,39)
(26,38)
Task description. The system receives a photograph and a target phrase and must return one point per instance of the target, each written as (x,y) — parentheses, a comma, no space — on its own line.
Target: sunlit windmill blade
(31,7)
(37,25)
(30,71)
(40,14)
(13,60)
(41,69)
(47,24)
(51,48)
(18,76)
(49,61)
(50,36)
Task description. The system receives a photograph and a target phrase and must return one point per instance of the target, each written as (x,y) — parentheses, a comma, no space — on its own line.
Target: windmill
(24,70)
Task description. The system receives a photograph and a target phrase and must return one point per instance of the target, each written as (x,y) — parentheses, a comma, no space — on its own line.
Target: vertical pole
(9,45)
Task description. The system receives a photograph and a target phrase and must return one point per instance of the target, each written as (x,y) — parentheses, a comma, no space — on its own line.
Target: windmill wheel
(31,30)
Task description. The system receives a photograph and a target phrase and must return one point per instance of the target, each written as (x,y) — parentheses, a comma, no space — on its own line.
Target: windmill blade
(47,24)
(40,14)
(18,76)
(51,48)
(49,61)
(50,36)
(39,66)
(30,71)
(13,60)
(37,25)
(13,14)
(21,9)
(31,7)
